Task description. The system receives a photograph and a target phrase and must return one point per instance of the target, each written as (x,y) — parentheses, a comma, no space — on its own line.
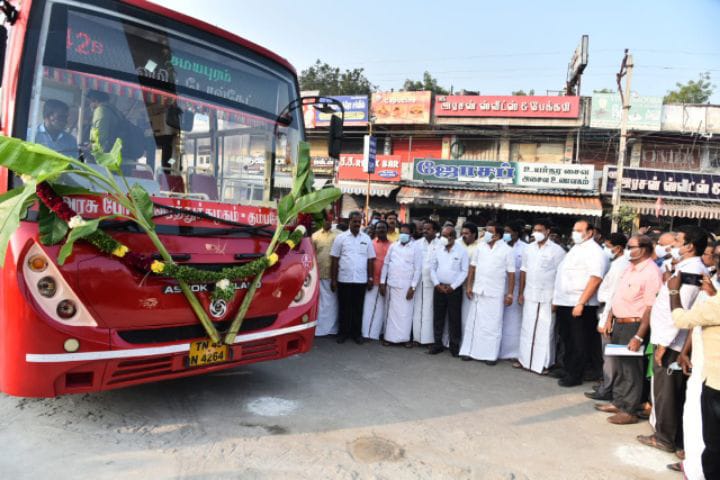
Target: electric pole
(626,69)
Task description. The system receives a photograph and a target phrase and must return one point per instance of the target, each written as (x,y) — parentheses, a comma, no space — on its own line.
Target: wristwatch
(674,292)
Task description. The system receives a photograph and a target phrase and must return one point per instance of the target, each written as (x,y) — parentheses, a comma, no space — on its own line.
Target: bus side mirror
(335,137)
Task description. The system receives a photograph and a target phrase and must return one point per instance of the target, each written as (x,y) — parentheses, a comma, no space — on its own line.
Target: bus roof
(199,24)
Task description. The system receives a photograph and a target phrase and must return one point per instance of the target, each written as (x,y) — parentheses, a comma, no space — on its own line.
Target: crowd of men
(638,316)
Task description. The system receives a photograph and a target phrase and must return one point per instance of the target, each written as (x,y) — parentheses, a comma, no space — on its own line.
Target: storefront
(356,185)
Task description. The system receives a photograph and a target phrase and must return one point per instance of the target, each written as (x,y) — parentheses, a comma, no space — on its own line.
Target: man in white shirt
(399,278)
(615,250)
(449,271)
(423,330)
(352,257)
(491,282)
(539,265)
(512,317)
(470,241)
(669,390)
(575,298)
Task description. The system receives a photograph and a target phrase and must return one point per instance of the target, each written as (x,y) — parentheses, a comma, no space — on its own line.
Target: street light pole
(626,69)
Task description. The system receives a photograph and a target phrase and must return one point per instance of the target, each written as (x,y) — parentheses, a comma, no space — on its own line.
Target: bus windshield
(197,118)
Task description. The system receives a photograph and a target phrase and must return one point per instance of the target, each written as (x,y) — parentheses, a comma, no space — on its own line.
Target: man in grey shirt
(51,133)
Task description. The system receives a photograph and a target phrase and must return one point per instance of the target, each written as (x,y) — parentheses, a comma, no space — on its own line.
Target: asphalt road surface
(340,412)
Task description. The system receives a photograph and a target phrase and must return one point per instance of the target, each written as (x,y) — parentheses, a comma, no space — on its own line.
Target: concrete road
(340,412)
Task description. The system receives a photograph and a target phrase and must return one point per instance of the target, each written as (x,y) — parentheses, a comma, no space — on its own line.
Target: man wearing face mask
(449,271)
(375,301)
(539,265)
(423,330)
(491,282)
(615,250)
(575,297)
(663,257)
(401,273)
(512,317)
(669,389)
(470,242)
(631,306)
(327,319)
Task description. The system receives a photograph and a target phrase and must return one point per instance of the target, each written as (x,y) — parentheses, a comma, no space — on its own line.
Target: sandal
(409,345)
(675,467)
(652,441)
(517,365)
(385,343)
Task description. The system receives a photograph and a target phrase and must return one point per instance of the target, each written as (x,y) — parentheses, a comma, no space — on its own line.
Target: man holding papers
(629,324)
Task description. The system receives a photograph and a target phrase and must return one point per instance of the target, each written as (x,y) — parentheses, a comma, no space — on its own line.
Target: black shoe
(592,377)
(557,373)
(491,363)
(465,358)
(455,353)
(596,388)
(359,340)
(434,350)
(598,396)
(341,339)
(569,382)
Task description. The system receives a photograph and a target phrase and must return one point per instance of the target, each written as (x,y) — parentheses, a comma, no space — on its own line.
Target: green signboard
(645,112)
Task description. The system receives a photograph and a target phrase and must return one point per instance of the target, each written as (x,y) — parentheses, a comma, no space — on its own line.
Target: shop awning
(522,202)
(669,208)
(286,182)
(360,188)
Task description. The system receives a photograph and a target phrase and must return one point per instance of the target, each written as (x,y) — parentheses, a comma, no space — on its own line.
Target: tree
(692,92)
(521,93)
(330,80)
(604,90)
(427,83)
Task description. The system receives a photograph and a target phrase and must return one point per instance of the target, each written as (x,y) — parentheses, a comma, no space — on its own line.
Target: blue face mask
(488,237)
(404,237)
(507,238)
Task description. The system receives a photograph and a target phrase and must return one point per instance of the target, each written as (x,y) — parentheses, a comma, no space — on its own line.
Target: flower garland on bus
(40,166)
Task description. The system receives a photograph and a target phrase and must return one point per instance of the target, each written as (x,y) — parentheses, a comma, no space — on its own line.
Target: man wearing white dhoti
(470,241)
(422,329)
(400,276)
(491,282)
(327,319)
(512,317)
(539,265)
(374,308)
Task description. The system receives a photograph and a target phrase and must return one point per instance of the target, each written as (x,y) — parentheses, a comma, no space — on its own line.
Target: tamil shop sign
(521,174)
(641,182)
(355,107)
(645,112)
(507,106)
(401,108)
(387,168)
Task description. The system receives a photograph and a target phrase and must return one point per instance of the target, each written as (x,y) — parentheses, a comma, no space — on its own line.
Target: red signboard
(387,168)
(507,106)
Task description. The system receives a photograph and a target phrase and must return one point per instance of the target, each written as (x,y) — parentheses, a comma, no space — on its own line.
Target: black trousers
(351,298)
(669,391)
(710,404)
(627,386)
(449,304)
(581,342)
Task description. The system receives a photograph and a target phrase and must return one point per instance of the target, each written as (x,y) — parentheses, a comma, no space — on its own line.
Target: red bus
(204,105)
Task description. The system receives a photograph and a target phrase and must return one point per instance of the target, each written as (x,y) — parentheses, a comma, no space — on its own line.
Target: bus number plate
(204,352)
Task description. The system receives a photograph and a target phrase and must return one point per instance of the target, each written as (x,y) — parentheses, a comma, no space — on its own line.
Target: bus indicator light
(37,263)
(47,287)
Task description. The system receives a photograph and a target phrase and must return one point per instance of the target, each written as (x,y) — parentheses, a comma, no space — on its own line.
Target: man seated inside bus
(51,133)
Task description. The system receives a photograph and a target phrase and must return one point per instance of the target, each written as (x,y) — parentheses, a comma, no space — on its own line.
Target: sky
(492,47)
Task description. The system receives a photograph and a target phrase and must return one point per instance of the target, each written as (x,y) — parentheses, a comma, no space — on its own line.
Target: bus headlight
(47,287)
(305,294)
(66,309)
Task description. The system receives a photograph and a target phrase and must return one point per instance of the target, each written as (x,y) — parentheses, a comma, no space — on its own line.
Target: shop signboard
(668,184)
(645,112)
(521,174)
(387,168)
(401,108)
(322,166)
(507,106)
(356,111)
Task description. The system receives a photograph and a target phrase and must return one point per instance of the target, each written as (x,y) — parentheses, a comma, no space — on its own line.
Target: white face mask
(660,251)
(444,241)
(538,236)
(488,237)
(675,252)
(609,253)
(577,237)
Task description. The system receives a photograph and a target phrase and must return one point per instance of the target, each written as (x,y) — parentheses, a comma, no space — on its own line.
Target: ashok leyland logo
(218,308)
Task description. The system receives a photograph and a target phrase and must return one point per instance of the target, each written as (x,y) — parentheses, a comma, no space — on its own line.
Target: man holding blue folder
(629,324)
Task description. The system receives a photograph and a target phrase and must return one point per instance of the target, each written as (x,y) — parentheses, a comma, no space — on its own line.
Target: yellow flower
(157,266)
(120,251)
(272,259)
(291,244)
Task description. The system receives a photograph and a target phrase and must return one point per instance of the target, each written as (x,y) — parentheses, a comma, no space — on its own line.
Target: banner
(322,166)
(387,168)
(401,108)
(668,184)
(521,174)
(356,111)
(507,106)
(645,112)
